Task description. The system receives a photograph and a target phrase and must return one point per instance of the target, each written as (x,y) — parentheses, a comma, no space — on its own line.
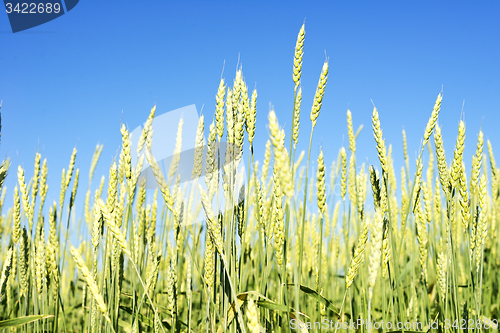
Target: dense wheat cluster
(270,254)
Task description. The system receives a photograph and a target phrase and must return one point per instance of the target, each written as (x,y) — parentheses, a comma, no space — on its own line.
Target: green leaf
(279,307)
(267,304)
(272,306)
(22,320)
(142,318)
(150,322)
(318,298)
(284,308)
(126,326)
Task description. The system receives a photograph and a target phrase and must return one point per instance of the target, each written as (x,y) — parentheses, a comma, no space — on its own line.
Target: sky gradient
(72,81)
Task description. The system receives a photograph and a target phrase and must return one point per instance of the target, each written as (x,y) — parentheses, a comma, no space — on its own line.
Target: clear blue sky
(71,82)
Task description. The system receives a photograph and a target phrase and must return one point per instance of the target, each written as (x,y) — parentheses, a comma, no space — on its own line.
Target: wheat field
(273,258)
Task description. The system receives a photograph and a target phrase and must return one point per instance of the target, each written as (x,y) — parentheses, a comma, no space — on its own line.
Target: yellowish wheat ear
(299,53)
(212,222)
(458,154)
(377,133)
(405,149)
(477,161)
(433,119)
(7,265)
(16,216)
(442,265)
(359,256)
(252,116)
(146,130)
(320,92)
(91,283)
(350,132)
(219,109)
(296,118)
(320,184)
(343,174)
(375,251)
(198,150)
(444,176)
(162,184)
